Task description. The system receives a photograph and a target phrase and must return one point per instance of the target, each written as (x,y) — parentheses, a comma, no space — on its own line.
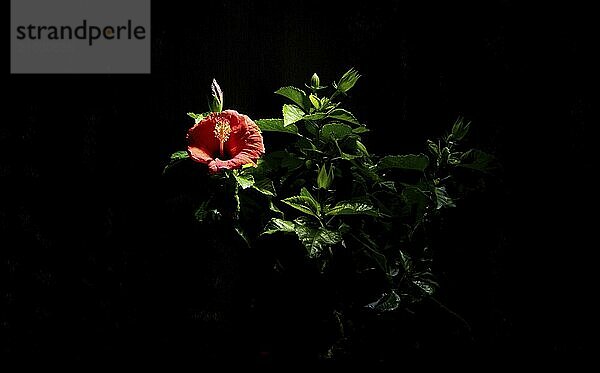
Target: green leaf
(315,240)
(245,181)
(291,114)
(373,252)
(478,160)
(348,80)
(313,202)
(296,95)
(279,225)
(311,127)
(359,130)
(202,211)
(434,148)
(301,203)
(389,185)
(275,209)
(315,101)
(276,125)
(388,302)
(197,117)
(180,155)
(426,285)
(325,178)
(352,208)
(362,148)
(343,115)
(335,131)
(240,232)
(417,162)
(315,116)
(176,158)
(349,157)
(265,186)
(415,201)
(442,198)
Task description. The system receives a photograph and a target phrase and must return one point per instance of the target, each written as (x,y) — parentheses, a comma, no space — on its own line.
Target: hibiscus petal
(203,146)
(244,145)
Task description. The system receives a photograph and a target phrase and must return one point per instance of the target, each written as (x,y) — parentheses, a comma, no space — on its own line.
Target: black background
(94,268)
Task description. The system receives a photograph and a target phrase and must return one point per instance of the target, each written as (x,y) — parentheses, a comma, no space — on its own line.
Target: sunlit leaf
(245,181)
(279,225)
(291,114)
(442,198)
(478,160)
(343,115)
(265,186)
(388,302)
(335,131)
(296,95)
(276,125)
(315,240)
(417,162)
(352,208)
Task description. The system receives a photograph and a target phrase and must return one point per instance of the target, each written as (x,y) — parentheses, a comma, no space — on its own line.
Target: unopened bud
(315,82)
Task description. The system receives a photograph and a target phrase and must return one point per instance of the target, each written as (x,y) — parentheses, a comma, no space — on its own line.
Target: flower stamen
(222,132)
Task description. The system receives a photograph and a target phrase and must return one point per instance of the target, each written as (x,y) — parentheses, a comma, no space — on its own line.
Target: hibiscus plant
(344,205)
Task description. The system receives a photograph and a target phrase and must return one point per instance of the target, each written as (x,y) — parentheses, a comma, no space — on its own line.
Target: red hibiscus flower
(225,140)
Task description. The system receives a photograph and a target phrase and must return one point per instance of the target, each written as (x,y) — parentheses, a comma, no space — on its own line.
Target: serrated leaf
(301,203)
(313,202)
(352,208)
(315,116)
(177,156)
(291,114)
(335,131)
(362,148)
(433,147)
(276,125)
(415,201)
(417,162)
(372,251)
(389,185)
(315,101)
(265,186)
(296,95)
(197,117)
(311,127)
(343,115)
(359,130)
(426,286)
(201,212)
(279,225)
(442,198)
(241,234)
(388,302)
(315,240)
(478,160)
(275,209)
(245,181)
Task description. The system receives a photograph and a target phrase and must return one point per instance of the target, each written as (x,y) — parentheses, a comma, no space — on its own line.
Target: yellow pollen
(222,132)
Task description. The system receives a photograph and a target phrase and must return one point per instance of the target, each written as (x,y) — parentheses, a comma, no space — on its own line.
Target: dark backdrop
(92,263)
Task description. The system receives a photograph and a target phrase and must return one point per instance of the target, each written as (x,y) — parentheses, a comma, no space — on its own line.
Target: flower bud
(315,82)
(216,104)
